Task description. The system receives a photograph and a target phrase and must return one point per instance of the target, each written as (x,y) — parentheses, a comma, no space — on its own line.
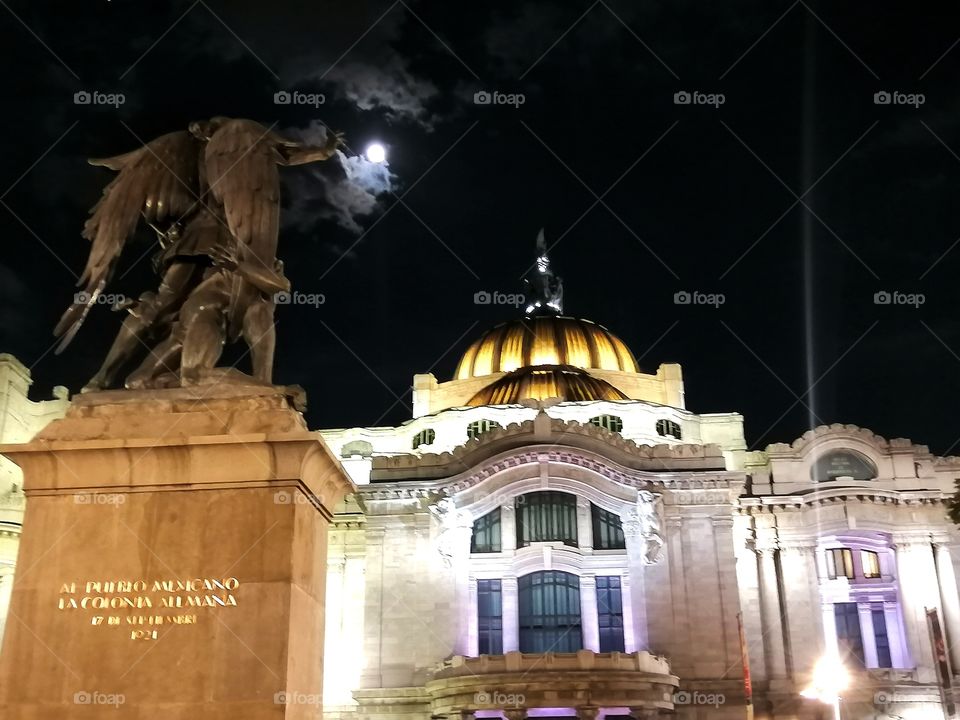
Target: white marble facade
(838,542)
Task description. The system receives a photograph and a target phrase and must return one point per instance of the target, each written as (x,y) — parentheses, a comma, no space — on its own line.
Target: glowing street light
(830,678)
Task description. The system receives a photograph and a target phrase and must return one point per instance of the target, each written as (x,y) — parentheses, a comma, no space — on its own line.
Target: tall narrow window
(871,564)
(610,614)
(545,516)
(486,533)
(839,563)
(607,530)
(880,635)
(849,639)
(489,617)
(549,617)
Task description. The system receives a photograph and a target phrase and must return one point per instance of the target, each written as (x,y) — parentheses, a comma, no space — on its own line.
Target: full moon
(376,153)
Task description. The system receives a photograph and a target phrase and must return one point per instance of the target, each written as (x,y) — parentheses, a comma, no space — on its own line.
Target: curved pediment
(544,430)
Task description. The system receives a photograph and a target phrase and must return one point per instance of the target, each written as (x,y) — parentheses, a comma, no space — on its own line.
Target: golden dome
(541,382)
(545,340)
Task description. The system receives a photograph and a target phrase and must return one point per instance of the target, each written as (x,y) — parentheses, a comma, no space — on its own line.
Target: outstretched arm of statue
(296,154)
(265,279)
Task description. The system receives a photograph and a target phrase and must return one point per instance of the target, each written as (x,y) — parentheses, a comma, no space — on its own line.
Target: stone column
(632,583)
(951,602)
(830,641)
(587,713)
(511,614)
(771,613)
(473,621)
(866,633)
(633,640)
(802,603)
(729,600)
(458,537)
(895,635)
(508,527)
(919,589)
(584,525)
(748,585)
(588,613)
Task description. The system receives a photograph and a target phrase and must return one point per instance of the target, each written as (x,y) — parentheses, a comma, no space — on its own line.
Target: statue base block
(173,560)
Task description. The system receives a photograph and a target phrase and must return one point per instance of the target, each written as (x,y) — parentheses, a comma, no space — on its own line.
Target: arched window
(424,437)
(842,464)
(608,422)
(546,516)
(607,530)
(486,533)
(549,610)
(668,428)
(479,427)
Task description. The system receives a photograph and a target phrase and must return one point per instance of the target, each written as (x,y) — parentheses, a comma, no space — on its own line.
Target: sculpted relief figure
(644,523)
(212,195)
(451,522)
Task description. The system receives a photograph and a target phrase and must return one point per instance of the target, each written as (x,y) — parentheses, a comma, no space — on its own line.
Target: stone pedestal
(173,560)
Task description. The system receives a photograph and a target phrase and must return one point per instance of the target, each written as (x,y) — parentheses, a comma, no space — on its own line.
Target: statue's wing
(241,165)
(159,181)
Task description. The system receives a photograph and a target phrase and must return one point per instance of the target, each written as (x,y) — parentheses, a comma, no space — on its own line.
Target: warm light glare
(830,678)
(376,153)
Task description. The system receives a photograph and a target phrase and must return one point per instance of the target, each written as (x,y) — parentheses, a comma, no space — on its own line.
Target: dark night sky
(599,81)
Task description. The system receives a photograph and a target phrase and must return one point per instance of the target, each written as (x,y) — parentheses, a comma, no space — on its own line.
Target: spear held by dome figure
(212,195)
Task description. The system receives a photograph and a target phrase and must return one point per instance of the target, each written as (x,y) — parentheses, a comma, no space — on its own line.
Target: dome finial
(545,288)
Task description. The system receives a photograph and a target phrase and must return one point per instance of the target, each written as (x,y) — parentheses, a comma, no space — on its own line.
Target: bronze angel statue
(212,195)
